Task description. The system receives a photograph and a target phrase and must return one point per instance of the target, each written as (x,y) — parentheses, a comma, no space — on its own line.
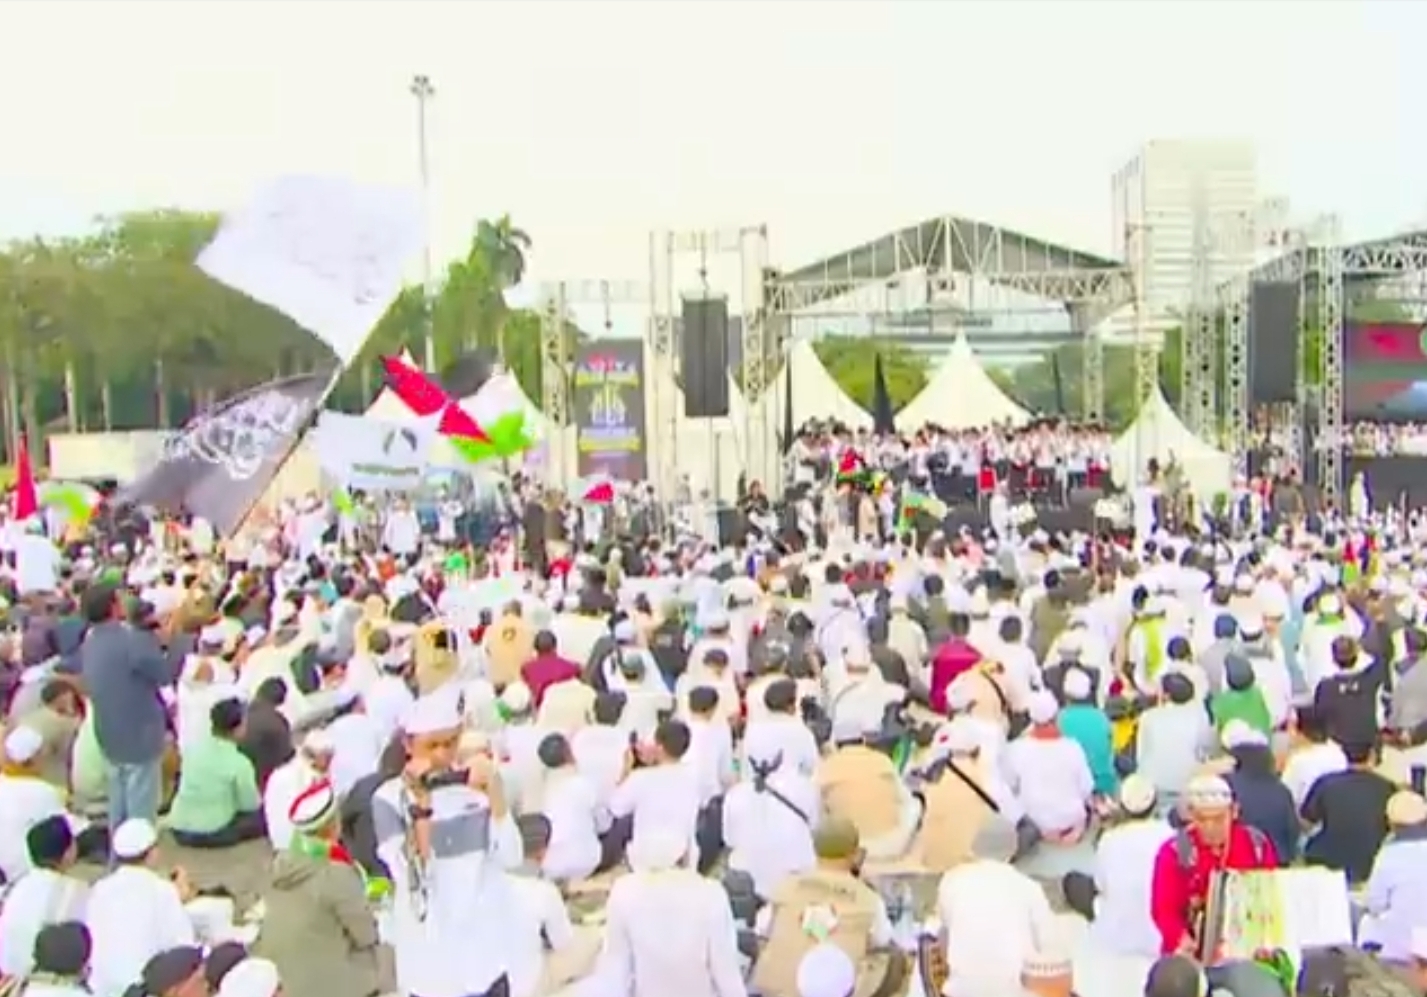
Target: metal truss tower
(666,249)
(1089,288)
(557,358)
(1324,271)
(1198,335)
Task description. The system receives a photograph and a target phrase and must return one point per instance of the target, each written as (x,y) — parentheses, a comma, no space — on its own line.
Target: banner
(372,455)
(222,461)
(329,254)
(607,400)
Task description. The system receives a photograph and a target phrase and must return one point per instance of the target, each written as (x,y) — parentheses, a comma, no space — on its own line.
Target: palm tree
(503,247)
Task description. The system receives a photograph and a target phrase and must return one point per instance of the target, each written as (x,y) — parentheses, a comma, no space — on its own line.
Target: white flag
(327,253)
(372,454)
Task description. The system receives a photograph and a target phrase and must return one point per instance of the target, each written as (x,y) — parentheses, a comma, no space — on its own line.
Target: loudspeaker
(1273,343)
(704,357)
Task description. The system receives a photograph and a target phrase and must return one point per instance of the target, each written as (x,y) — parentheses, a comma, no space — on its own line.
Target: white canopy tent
(1158,433)
(961,395)
(815,394)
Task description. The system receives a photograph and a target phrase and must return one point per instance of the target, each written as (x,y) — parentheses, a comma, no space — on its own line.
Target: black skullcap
(63,949)
(226,716)
(223,958)
(49,841)
(1173,976)
(1238,672)
(170,968)
(1178,687)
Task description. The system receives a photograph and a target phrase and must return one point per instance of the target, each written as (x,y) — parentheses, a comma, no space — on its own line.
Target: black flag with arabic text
(220,463)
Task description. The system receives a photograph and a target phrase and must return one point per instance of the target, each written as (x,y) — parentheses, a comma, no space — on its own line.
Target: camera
(445,777)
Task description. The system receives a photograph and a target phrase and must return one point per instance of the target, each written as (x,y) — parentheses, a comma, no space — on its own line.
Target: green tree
(852,362)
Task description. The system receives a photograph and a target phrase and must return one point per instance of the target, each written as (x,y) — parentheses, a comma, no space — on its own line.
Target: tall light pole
(423,91)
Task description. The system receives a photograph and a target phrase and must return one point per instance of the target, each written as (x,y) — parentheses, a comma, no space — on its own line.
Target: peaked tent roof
(961,395)
(1159,433)
(815,394)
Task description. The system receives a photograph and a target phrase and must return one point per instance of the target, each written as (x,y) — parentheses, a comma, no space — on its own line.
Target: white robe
(133,915)
(40,898)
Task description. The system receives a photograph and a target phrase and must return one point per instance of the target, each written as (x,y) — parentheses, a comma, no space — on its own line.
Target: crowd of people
(643,763)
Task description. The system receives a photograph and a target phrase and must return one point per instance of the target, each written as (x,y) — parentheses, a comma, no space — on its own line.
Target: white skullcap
(1237,734)
(1137,794)
(255,634)
(1209,792)
(283,612)
(1330,603)
(570,603)
(625,632)
(22,744)
(431,715)
(1077,684)
(826,971)
(657,850)
(251,978)
(1243,584)
(134,838)
(778,585)
(213,635)
(1250,625)
(516,697)
(1070,643)
(1272,600)
(1042,707)
(319,742)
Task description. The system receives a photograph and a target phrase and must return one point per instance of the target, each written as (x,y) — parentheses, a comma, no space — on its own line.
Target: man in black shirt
(1347,702)
(1350,811)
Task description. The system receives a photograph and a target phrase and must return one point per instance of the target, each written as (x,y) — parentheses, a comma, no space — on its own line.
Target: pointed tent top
(1158,432)
(387,406)
(961,395)
(816,395)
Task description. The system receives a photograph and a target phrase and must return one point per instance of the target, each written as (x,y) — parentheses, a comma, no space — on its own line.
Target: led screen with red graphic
(1385,371)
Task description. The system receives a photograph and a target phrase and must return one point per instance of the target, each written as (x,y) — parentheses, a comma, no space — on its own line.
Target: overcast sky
(593,122)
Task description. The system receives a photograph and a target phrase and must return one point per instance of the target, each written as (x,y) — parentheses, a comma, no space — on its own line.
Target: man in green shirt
(218,804)
(1241,698)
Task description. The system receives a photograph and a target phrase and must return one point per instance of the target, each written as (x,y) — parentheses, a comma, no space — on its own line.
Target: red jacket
(1182,868)
(952,660)
(540,673)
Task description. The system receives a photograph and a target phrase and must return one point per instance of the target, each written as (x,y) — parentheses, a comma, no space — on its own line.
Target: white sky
(593,122)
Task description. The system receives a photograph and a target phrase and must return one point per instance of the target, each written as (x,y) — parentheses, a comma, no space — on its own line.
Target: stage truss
(1323,274)
(1090,288)
(661,298)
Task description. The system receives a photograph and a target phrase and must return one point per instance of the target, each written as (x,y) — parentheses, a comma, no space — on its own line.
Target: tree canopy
(117,329)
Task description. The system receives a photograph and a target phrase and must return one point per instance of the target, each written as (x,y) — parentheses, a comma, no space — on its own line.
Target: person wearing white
(767,822)
(571,804)
(205,679)
(45,895)
(1124,867)
(1049,773)
(25,800)
(782,732)
(665,795)
(37,561)
(134,913)
(993,916)
(288,781)
(402,533)
(546,950)
(602,750)
(695,951)
(447,847)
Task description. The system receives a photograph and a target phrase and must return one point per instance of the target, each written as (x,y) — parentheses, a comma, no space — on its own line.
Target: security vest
(827,897)
(954,814)
(435,666)
(862,785)
(1153,629)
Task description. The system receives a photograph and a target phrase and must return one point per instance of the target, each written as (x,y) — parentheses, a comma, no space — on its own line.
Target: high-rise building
(1175,202)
